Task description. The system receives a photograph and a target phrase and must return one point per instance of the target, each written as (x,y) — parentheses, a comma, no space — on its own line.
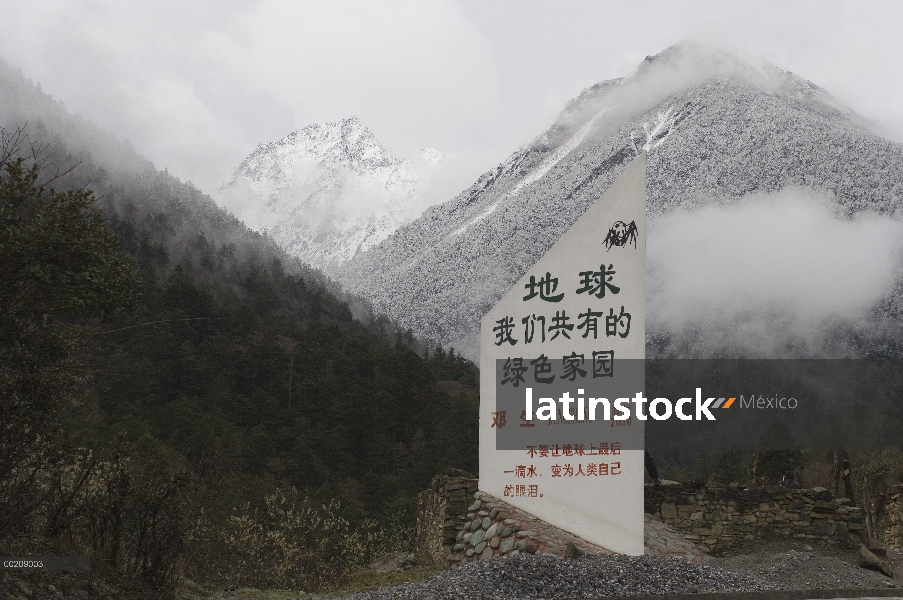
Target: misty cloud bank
(771,275)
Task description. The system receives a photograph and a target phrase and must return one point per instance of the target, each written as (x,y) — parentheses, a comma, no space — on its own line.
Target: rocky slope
(715,127)
(326,192)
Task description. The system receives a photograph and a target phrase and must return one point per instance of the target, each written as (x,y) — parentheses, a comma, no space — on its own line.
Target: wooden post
(755,468)
(835,477)
(291,372)
(847,482)
(867,507)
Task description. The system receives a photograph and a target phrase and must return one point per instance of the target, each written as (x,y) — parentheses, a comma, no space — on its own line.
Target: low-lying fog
(770,275)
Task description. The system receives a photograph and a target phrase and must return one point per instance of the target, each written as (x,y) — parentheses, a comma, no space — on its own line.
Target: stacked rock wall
(488,531)
(494,528)
(893,533)
(458,524)
(717,516)
(441,514)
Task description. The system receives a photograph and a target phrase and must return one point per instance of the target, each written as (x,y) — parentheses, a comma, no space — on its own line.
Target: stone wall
(458,524)
(717,516)
(441,514)
(893,533)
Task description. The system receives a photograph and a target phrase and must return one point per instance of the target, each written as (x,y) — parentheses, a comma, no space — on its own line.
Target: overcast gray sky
(196,86)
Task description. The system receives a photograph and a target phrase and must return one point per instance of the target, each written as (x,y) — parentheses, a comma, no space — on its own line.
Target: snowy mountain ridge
(717,127)
(325,192)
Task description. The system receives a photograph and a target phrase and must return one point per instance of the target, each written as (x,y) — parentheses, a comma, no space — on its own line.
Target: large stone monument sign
(571,330)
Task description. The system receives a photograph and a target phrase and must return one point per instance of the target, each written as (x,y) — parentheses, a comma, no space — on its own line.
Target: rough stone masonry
(717,516)
(456,523)
(893,534)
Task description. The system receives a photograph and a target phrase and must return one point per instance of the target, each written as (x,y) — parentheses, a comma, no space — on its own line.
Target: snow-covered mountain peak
(348,143)
(433,157)
(326,192)
(687,65)
(717,125)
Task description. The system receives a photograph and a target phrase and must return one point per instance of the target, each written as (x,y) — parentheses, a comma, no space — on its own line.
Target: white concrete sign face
(572,330)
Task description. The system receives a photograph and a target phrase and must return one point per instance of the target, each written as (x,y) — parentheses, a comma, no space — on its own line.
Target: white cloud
(768,269)
(196,86)
(473,78)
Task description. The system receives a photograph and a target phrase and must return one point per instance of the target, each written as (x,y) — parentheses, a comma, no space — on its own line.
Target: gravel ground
(533,577)
(795,570)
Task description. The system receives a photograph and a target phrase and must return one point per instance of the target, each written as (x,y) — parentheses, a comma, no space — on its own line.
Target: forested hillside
(227,411)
